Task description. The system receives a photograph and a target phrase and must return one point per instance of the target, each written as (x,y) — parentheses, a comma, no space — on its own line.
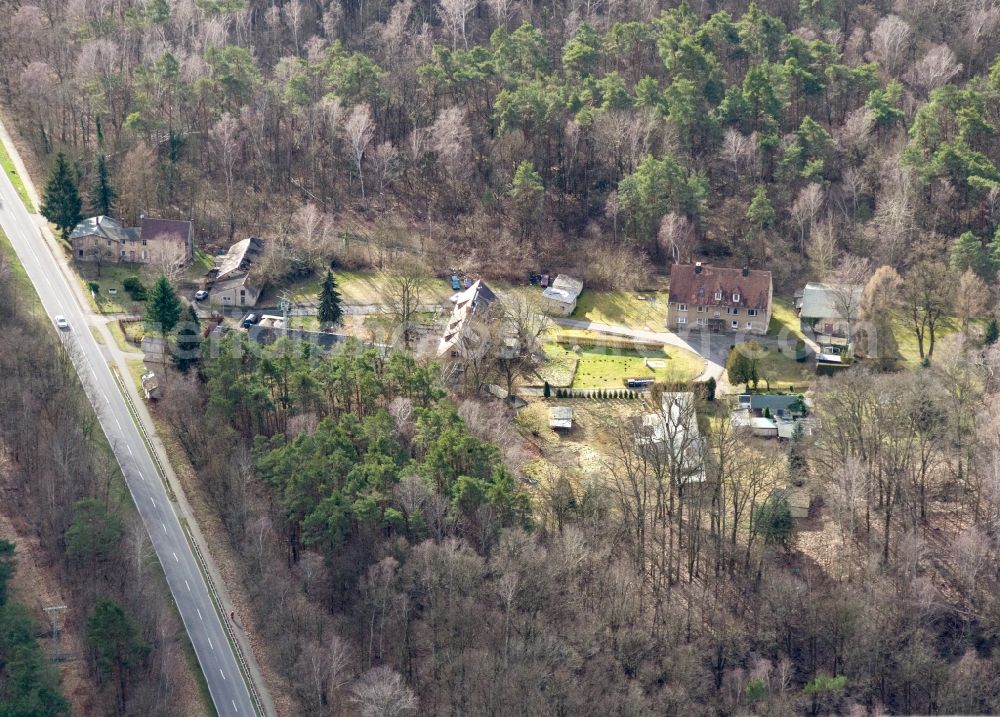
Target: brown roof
(690,287)
(169,229)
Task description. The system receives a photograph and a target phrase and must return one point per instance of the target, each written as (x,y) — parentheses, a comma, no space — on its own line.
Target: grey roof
(771,401)
(101,226)
(564,288)
(822,301)
(467,302)
(239,257)
(234,283)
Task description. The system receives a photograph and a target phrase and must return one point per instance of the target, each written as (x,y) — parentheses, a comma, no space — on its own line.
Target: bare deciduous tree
(359,129)
(938,67)
(889,41)
(381,692)
(805,209)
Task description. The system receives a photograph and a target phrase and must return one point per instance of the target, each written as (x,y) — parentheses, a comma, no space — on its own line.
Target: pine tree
(188,341)
(992,332)
(102,195)
(330,312)
(61,204)
(163,308)
(547,390)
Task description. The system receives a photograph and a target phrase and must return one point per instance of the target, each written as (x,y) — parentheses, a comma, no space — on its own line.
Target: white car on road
(62,323)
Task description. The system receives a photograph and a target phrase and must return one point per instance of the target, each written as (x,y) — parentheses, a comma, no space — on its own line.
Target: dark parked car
(250,320)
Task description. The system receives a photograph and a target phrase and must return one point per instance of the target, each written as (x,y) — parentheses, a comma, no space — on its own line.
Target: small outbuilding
(560,298)
(561,418)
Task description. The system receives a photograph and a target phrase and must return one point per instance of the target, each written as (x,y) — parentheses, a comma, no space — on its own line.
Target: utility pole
(53,613)
(285,304)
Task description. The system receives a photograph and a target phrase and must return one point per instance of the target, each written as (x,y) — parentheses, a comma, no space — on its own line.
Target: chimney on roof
(697,267)
(746,271)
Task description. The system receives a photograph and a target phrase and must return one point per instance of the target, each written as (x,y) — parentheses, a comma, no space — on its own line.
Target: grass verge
(15,177)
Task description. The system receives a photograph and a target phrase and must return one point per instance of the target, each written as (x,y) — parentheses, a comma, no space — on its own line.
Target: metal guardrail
(199,556)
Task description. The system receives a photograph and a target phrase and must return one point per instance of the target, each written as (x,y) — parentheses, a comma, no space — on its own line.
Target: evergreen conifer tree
(61,204)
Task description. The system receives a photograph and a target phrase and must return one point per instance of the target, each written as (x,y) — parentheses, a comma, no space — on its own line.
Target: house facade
(104,239)
(719,299)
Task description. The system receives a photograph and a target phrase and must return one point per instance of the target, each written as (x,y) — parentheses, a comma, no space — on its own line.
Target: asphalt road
(225,680)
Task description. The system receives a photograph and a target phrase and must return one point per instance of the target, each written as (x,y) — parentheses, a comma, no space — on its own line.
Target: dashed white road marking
(210,643)
(164,526)
(176,560)
(131,453)
(222,673)
(188,585)
(199,615)
(152,500)
(234,705)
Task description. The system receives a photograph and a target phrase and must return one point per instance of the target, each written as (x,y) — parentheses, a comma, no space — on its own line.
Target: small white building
(675,428)
(561,418)
(560,298)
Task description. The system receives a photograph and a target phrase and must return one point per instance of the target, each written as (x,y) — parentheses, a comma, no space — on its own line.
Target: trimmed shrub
(135,288)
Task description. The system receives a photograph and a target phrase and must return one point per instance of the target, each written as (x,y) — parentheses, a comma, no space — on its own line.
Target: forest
(60,484)
(490,136)
(395,560)
(395,566)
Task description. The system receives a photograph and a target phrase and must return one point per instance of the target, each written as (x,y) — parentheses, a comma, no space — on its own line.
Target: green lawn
(902,329)
(608,368)
(358,288)
(112,276)
(25,291)
(784,318)
(8,166)
(782,371)
(637,310)
(560,366)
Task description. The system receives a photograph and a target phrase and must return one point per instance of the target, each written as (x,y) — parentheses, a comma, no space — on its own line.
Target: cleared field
(110,280)
(608,368)
(639,310)
(359,288)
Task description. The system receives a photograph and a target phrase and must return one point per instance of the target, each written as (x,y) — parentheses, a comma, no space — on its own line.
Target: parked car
(250,320)
(62,323)
(200,295)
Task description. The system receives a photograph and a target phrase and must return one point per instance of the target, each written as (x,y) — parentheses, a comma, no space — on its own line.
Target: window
(751,312)
(749,324)
(682,319)
(718,296)
(144,242)
(732,310)
(701,309)
(81,252)
(701,322)
(736,297)
(717,314)
(736,324)
(682,307)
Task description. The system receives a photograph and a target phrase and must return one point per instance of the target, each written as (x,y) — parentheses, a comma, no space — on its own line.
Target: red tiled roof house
(718,298)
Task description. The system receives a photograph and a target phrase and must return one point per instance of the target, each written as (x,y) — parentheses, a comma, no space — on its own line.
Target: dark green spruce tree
(330,312)
(163,308)
(188,341)
(102,195)
(61,204)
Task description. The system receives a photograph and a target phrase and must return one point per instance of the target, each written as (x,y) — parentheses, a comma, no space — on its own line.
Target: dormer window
(736,297)
(718,296)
